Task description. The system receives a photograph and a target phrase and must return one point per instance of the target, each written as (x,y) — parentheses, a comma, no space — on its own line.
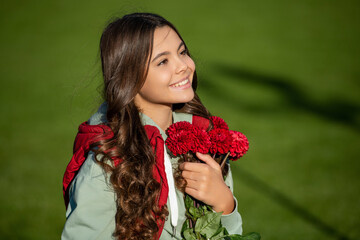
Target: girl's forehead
(165,37)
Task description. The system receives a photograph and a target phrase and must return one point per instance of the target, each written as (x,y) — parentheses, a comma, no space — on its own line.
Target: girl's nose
(181,65)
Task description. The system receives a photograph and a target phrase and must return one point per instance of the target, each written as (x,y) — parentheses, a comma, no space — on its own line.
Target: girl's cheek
(191,63)
(164,76)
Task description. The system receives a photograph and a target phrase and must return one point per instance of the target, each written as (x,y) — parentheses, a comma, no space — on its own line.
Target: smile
(179,84)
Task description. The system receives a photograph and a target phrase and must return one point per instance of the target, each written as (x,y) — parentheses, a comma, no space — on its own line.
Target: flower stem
(224,160)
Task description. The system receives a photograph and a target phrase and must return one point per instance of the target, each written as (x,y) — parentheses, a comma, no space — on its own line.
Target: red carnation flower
(220,141)
(180,137)
(218,122)
(239,145)
(184,137)
(179,128)
(201,141)
(179,143)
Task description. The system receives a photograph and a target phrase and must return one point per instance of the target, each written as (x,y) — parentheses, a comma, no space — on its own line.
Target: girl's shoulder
(90,176)
(92,206)
(91,169)
(99,117)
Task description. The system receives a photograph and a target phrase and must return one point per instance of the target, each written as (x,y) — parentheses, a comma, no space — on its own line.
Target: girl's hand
(205,183)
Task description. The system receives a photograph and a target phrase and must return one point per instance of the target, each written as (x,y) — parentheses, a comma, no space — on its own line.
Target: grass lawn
(286,73)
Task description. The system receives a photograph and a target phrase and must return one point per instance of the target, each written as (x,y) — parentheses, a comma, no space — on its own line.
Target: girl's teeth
(181,83)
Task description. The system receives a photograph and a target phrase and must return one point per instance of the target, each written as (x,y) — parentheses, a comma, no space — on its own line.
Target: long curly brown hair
(126,46)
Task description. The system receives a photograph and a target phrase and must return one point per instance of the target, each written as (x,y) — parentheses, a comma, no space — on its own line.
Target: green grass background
(286,73)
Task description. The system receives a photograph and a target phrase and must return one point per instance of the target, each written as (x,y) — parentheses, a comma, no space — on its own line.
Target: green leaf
(185,226)
(234,237)
(189,202)
(249,236)
(207,208)
(189,234)
(220,233)
(204,208)
(195,212)
(252,236)
(208,224)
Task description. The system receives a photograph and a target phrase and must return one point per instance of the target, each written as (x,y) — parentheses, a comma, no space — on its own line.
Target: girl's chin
(184,98)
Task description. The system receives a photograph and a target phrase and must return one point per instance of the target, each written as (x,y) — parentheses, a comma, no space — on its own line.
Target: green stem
(190,223)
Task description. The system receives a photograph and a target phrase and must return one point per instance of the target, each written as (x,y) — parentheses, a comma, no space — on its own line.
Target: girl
(118,184)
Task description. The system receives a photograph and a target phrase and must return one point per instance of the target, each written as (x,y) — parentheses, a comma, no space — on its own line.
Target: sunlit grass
(285,73)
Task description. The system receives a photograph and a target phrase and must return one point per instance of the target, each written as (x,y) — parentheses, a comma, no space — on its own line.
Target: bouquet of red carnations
(184,140)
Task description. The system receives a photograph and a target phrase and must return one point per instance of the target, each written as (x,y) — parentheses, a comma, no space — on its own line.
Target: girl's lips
(182,84)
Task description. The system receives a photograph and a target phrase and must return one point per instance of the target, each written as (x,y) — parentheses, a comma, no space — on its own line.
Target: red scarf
(89,134)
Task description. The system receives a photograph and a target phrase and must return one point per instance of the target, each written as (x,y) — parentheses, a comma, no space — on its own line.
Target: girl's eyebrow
(166,52)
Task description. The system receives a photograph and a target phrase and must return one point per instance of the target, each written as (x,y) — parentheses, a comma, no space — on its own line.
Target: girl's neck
(161,115)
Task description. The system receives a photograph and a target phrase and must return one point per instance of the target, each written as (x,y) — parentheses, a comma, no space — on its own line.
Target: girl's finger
(191,184)
(191,166)
(208,160)
(192,192)
(189,175)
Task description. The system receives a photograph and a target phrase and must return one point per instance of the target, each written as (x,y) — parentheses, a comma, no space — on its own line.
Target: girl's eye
(162,62)
(184,52)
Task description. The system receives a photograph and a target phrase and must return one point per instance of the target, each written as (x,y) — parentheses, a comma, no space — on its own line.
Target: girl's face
(170,73)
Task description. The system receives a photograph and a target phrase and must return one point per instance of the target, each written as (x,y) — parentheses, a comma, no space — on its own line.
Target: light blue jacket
(92,207)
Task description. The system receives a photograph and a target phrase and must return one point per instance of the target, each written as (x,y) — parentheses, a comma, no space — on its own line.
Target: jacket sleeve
(232,222)
(91,210)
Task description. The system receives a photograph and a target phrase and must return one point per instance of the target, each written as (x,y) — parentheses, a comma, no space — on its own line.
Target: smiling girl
(119,183)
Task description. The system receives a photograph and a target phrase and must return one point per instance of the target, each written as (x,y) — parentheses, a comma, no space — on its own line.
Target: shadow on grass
(335,110)
(289,204)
